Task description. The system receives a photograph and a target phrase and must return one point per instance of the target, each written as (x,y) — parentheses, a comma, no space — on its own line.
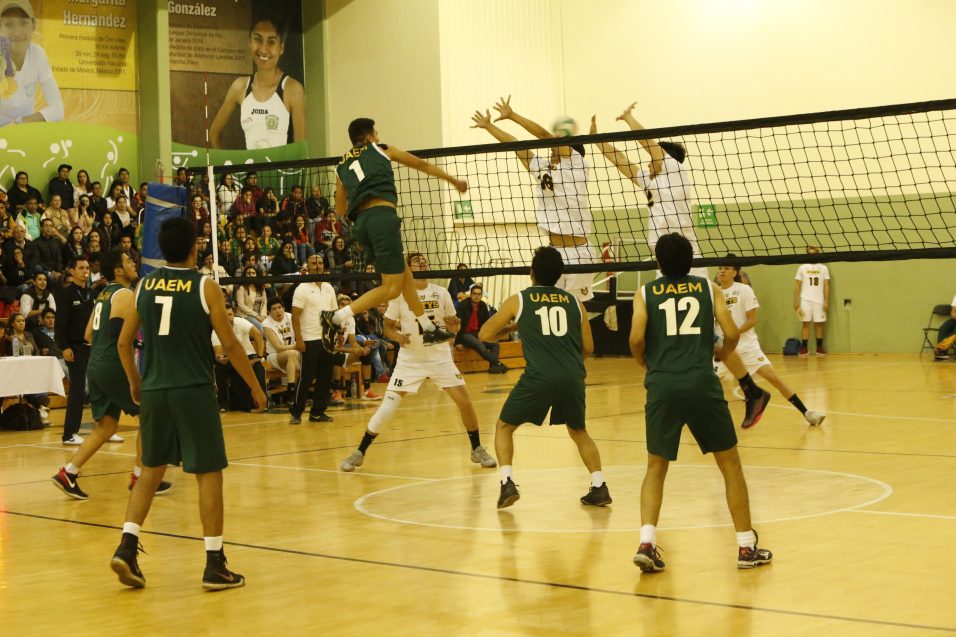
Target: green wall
(155,128)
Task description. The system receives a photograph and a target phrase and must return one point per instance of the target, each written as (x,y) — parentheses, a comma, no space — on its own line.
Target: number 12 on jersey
(672,306)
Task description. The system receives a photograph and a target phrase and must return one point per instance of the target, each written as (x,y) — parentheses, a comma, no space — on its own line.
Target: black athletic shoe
(217,575)
(597,496)
(329,330)
(124,562)
(755,409)
(163,488)
(753,557)
(438,335)
(295,420)
(648,559)
(509,494)
(320,418)
(67,483)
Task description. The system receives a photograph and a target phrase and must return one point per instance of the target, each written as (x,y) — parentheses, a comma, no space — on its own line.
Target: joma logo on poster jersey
(680,288)
(174,285)
(553,297)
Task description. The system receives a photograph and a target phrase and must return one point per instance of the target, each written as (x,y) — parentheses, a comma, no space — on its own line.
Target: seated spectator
(138,202)
(245,213)
(126,245)
(268,245)
(30,218)
(110,231)
(82,186)
(21,192)
(326,231)
(45,339)
(251,183)
(210,271)
(228,259)
(74,246)
(292,205)
(233,391)
(460,287)
(947,335)
(97,280)
(62,187)
(19,342)
(285,262)
(280,345)
(94,243)
(249,261)
(316,207)
(97,202)
(198,213)
(116,189)
(36,299)
(301,236)
(368,334)
(17,272)
(252,302)
(202,189)
(473,312)
(7,223)
(202,249)
(227,192)
(268,207)
(49,251)
(122,178)
(339,257)
(361,286)
(348,345)
(83,215)
(182,178)
(60,217)
(237,242)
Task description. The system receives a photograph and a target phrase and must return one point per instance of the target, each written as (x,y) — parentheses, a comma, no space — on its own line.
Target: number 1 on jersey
(356,168)
(167,303)
(672,306)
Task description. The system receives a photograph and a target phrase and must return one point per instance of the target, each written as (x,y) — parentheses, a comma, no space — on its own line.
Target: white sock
(129,527)
(597,479)
(747,539)
(213,543)
(137,471)
(649,534)
(426,323)
(72,469)
(505,473)
(342,314)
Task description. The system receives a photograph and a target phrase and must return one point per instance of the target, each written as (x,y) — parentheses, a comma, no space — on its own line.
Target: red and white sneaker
(821,351)
(803,351)
(384,378)
(648,559)
(371,395)
(68,484)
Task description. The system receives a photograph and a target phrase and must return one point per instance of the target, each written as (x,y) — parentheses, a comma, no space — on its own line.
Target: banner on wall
(236,82)
(68,88)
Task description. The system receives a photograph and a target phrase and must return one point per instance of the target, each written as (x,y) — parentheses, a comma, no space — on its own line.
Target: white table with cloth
(30,375)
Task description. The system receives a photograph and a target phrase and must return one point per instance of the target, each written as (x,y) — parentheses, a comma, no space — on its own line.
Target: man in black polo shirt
(74,304)
(61,185)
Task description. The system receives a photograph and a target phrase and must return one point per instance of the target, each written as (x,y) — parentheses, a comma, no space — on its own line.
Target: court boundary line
(505,578)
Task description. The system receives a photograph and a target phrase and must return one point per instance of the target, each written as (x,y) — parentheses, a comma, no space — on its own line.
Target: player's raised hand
(481,120)
(503,106)
(460,185)
(593,130)
(623,117)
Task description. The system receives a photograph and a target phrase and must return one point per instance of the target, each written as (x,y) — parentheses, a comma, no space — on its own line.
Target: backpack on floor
(21,417)
(791,347)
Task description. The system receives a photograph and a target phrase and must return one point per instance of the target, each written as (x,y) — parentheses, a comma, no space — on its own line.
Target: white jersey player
(417,363)
(742,304)
(811,300)
(562,207)
(280,344)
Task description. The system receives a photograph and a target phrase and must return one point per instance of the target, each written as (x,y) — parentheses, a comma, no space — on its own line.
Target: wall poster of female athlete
(237,81)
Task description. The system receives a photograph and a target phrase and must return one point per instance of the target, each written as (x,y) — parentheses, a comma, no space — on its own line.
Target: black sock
(749,386)
(798,403)
(819,343)
(473,437)
(367,384)
(216,557)
(804,343)
(367,440)
(129,538)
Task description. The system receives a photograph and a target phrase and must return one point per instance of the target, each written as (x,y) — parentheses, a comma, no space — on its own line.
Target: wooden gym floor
(860,513)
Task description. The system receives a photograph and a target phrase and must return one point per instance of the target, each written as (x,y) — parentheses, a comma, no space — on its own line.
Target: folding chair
(939,315)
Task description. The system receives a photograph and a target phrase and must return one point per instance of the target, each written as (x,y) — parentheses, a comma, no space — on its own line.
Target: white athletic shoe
(115,438)
(44,415)
(75,441)
(814,417)
(355,459)
(480,456)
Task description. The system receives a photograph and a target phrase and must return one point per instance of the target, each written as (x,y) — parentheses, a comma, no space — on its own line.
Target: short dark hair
(675,150)
(110,261)
(49,310)
(674,254)
(408,257)
(360,129)
(476,286)
(177,236)
(74,260)
(276,300)
(730,261)
(31,198)
(547,265)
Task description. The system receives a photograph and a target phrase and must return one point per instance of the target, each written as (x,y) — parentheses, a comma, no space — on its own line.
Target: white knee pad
(385,411)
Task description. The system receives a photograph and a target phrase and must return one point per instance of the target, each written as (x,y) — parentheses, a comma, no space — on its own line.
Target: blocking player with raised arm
(108,388)
(667,184)
(365,192)
(811,300)
(672,335)
(178,308)
(562,207)
(417,363)
(556,337)
(742,304)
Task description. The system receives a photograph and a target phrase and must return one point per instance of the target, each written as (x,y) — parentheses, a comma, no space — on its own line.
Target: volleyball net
(863,184)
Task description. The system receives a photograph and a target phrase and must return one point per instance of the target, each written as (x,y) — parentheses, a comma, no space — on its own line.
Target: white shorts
(273,360)
(812,311)
(753,359)
(408,377)
(577,284)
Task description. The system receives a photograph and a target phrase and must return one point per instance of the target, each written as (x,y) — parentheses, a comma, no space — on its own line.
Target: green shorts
(379,230)
(707,418)
(109,392)
(530,401)
(182,425)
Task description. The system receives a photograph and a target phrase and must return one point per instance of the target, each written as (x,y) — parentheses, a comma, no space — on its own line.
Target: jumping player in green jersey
(108,387)
(365,192)
(178,308)
(672,335)
(556,338)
